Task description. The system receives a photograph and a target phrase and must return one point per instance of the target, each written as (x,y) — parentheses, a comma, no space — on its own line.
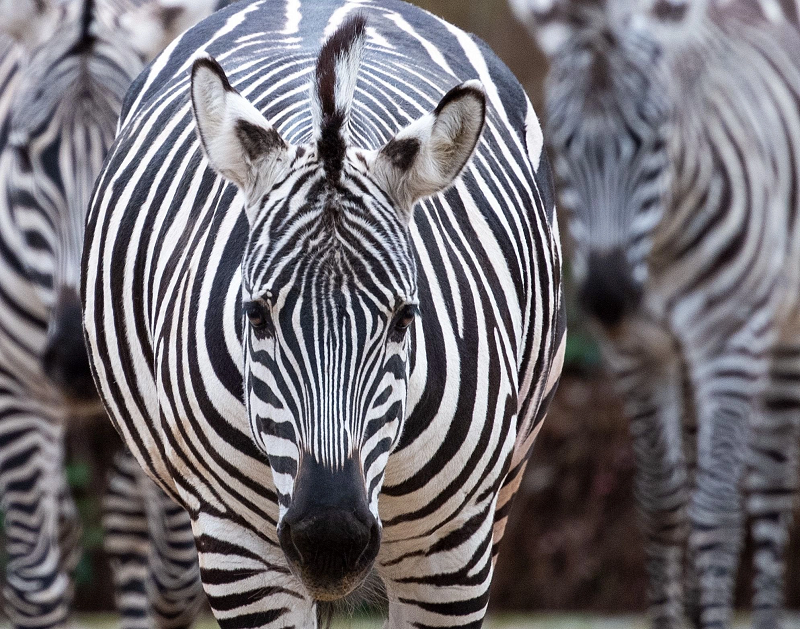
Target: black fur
(669,10)
(331,146)
(336,47)
(169,15)
(258,141)
(401,153)
(459,91)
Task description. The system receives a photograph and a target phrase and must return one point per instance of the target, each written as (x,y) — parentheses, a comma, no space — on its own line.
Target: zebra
(322,300)
(64,70)
(676,127)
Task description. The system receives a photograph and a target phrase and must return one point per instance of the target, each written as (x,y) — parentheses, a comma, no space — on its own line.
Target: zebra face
(608,113)
(608,122)
(330,296)
(63,121)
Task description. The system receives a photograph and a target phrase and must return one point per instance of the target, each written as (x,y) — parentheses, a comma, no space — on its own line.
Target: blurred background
(572,543)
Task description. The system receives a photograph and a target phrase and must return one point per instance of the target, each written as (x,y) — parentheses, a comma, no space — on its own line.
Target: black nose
(328,534)
(609,292)
(65,359)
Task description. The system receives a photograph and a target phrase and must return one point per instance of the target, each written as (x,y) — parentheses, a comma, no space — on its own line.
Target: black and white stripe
(676,128)
(314,318)
(61,90)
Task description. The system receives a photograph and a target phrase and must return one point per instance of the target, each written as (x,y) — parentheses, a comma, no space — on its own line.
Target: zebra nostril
(290,549)
(373,545)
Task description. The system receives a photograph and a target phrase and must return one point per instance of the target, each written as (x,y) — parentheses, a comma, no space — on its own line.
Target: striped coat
(469,283)
(62,83)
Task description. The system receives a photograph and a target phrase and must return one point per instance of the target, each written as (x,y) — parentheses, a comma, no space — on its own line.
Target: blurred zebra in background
(339,322)
(676,130)
(64,71)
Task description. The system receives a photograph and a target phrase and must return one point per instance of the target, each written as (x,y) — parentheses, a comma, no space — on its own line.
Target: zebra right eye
(258,316)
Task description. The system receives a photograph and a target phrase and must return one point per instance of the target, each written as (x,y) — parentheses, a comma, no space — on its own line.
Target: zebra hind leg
(127,541)
(771,484)
(175,590)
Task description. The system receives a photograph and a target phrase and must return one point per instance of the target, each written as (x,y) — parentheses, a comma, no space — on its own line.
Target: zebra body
(392,365)
(676,130)
(62,83)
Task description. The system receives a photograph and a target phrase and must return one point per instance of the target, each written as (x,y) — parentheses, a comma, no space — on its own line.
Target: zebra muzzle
(609,293)
(328,535)
(64,358)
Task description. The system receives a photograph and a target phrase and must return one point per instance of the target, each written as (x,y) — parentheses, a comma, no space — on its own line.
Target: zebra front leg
(444,581)
(69,536)
(127,541)
(771,484)
(175,592)
(725,389)
(650,384)
(37,590)
(245,574)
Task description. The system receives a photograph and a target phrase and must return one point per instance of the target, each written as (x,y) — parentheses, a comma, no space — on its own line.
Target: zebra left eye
(258,316)
(403,320)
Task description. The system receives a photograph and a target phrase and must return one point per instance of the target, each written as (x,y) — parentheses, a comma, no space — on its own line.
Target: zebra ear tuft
(239,142)
(426,157)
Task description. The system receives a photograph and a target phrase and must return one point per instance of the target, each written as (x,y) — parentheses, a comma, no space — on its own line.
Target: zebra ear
(29,22)
(150,27)
(551,23)
(427,156)
(239,142)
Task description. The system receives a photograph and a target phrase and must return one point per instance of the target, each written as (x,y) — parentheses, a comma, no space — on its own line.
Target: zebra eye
(258,316)
(402,321)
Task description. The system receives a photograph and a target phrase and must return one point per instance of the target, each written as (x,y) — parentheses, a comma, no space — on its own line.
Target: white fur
(447,142)
(347,73)
(217,113)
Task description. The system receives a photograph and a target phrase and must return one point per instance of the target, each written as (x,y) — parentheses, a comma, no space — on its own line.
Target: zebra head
(329,287)
(608,111)
(76,63)
(63,121)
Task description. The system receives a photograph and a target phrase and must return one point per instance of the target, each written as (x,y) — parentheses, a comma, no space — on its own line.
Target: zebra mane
(332,92)
(87,36)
